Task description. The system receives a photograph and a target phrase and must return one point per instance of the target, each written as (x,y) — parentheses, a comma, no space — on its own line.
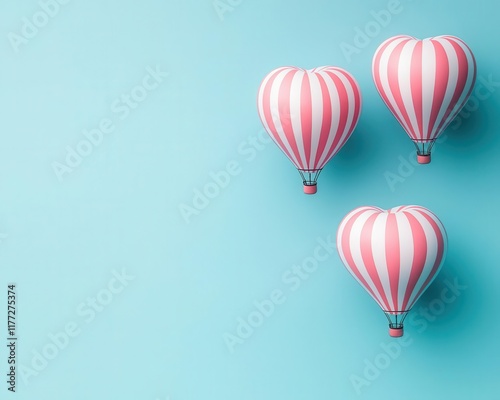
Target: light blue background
(162,336)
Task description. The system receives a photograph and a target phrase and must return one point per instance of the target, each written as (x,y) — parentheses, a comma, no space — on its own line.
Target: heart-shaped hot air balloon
(393,254)
(309,114)
(425,83)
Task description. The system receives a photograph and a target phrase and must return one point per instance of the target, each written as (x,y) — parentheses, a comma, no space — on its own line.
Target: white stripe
(347,218)
(451,86)
(355,246)
(384,78)
(274,110)
(471,76)
(404,81)
(432,249)
(317,116)
(350,120)
(428,82)
(295,107)
(407,251)
(379,256)
(335,103)
(260,102)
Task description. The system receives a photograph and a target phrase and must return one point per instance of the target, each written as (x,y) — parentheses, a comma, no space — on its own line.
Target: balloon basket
(396,332)
(310,189)
(423,158)
(396,319)
(424,150)
(309,179)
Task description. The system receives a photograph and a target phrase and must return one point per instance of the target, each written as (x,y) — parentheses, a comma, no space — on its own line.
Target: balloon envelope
(425,83)
(309,114)
(393,254)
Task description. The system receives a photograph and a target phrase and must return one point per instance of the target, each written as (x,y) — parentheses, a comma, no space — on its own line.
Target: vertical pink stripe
(343,113)
(393,68)
(355,117)
(439,256)
(284,113)
(463,72)
(345,240)
(419,256)
(268,116)
(377,73)
(376,67)
(355,90)
(367,255)
(393,257)
(416,88)
(469,67)
(440,84)
(306,117)
(326,123)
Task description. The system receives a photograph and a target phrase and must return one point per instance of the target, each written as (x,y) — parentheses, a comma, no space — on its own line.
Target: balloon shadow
(447,302)
(349,166)
(469,133)
(358,148)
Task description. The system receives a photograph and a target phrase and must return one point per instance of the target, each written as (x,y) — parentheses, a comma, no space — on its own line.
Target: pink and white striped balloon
(393,254)
(309,114)
(425,83)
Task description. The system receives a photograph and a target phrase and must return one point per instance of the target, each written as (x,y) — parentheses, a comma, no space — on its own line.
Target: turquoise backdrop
(162,247)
